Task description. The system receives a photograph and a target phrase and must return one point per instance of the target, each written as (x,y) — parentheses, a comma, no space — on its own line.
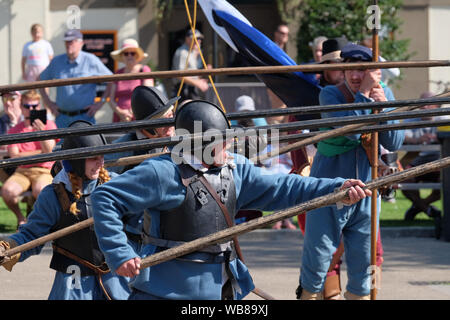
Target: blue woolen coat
(156,186)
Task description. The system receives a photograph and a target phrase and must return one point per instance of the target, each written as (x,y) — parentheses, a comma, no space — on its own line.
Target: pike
(298,136)
(326,200)
(374,172)
(224,71)
(229,233)
(334,132)
(137,159)
(142,124)
(355,122)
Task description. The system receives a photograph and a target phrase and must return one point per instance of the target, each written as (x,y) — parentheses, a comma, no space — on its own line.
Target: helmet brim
(161,111)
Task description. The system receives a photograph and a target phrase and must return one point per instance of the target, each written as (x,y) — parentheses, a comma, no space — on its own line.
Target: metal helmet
(77,166)
(210,115)
(149,102)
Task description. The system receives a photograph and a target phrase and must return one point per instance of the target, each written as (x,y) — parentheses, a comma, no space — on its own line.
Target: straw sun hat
(129,44)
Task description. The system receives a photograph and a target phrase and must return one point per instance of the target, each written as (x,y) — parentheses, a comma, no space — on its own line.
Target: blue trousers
(324,229)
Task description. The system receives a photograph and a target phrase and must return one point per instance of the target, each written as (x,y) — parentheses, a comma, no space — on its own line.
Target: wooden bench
(410,151)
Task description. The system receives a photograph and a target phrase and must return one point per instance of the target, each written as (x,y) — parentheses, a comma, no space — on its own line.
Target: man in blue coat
(77,101)
(345,157)
(174,192)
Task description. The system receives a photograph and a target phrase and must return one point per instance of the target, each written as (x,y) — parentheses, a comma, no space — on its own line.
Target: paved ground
(414,268)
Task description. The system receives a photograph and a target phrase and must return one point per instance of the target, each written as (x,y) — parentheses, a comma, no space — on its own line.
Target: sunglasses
(130,53)
(30,106)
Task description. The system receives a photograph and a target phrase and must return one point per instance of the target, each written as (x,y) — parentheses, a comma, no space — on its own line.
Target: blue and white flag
(295,89)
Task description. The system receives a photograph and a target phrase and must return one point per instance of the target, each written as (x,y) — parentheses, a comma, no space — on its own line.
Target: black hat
(331,49)
(77,166)
(192,113)
(149,102)
(210,115)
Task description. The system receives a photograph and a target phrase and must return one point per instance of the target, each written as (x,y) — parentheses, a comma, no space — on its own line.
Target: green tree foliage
(333,18)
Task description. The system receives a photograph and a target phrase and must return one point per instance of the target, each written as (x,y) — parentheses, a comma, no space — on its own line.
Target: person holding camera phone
(36,175)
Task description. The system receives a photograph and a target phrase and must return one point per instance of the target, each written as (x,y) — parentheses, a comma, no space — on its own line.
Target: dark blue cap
(356,52)
(72,34)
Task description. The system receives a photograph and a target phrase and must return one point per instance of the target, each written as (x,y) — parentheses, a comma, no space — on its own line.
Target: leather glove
(8,262)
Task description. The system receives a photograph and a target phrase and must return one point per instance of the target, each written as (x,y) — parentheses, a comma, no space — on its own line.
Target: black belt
(134,237)
(73,113)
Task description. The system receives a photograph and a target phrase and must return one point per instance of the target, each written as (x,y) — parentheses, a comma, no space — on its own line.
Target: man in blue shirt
(346,157)
(74,102)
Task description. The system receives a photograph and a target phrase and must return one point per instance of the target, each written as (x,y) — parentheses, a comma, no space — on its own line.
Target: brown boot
(332,288)
(306,295)
(350,296)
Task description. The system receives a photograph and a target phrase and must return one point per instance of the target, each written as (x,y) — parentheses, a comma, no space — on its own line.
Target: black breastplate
(199,215)
(83,243)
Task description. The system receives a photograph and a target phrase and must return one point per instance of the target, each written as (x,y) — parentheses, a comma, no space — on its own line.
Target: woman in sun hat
(120,92)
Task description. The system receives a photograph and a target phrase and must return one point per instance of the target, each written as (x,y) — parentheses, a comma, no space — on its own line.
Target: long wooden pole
(227,234)
(300,136)
(374,148)
(326,200)
(224,71)
(142,124)
(348,123)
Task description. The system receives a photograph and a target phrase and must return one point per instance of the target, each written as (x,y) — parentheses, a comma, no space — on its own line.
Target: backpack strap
(345,92)
(365,137)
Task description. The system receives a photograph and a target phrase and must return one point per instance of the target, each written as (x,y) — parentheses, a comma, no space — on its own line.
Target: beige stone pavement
(414,268)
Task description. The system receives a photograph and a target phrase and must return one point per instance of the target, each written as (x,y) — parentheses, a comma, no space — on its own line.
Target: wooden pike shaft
(373,205)
(291,137)
(133,159)
(330,199)
(224,71)
(229,233)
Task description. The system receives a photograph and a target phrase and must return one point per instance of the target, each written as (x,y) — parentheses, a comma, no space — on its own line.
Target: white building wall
(17,16)
(124,20)
(439,46)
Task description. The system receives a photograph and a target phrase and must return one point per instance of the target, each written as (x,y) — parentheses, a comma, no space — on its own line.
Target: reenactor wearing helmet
(147,103)
(187,198)
(81,270)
